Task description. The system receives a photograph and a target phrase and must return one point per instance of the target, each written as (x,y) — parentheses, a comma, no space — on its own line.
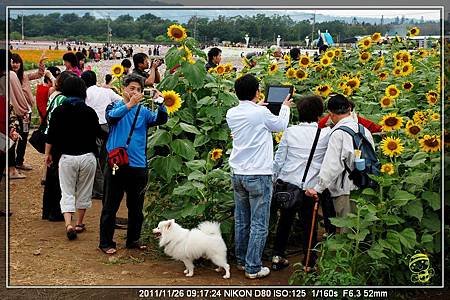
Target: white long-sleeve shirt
(99,98)
(251,127)
(340,150)
(293,153)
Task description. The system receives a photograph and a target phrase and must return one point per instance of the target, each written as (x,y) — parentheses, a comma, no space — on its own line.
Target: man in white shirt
(251,161)
(99,98)
(340,153)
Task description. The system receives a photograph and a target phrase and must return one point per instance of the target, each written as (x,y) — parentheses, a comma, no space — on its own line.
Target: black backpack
(361,178)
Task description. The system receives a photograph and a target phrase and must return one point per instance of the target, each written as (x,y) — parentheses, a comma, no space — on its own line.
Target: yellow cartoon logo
(419,265)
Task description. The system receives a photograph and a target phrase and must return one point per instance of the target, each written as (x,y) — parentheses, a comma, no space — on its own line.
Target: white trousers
(76,178)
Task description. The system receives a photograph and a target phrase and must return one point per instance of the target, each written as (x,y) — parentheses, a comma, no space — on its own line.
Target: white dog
(187,245)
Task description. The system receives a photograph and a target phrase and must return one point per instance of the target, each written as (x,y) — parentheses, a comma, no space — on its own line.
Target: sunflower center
(432,99)
(177,33)
(431,142)
(391,121)
(304,61)
(407,86)
(169,101)
(392,92)
(414,130)
(405,68)
(364,56)
(366,43)
(392,145)
(325,61)
(386,101)
(351,83)
(323,89)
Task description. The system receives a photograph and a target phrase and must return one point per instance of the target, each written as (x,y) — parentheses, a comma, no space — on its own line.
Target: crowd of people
(95,147)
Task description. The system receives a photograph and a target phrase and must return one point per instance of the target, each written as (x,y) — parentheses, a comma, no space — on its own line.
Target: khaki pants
(343,206)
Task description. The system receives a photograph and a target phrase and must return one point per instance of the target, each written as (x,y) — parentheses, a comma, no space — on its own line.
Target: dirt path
(40,254)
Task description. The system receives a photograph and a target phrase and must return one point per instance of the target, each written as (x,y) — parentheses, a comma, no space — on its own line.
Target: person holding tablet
(251,159)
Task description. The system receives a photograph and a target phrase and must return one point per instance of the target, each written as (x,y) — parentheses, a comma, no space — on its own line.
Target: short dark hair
(139,58)
(133,78)
(213,52)
(294,53)
(246,87)
(108,78)
(323,48)
(89,77)
(71,58)
(310,108)
(126,63)
(74,86)
(339,104)
(61,78)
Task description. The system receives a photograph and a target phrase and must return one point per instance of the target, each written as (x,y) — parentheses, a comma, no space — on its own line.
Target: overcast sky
(428,14)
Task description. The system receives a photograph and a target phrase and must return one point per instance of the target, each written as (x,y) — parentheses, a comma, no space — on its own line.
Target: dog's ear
(169,224)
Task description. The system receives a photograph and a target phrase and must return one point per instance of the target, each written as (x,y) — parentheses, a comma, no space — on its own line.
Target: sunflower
(435,117)
(323,90)
(172,100)
(398,55)
(391,146)
(220,69)
(432,97)
(216,154)
(406,57)
(378,66)
(391,122)
(304,61)
(392,91)
(176,32)
(273,68)
(408,85)
(430,143)
(420,117)
(331,72)
(287,60)
(329,54)
(365,43)
(348,91)
(376,37)
(386,101)
(407,69)
(412,129)
(290,73)
(301,74)
(228,67)
(414,31)
(117,70)
(318,68)
(364,56)
(278,137)
(388,168)
(325,61)
(383,75)
(422,52)
(397,72)
(337,52)
(354,82)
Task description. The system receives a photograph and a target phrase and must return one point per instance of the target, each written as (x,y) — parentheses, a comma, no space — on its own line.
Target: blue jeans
(252,197)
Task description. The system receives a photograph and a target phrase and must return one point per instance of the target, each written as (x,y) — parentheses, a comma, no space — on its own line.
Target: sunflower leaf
(184,148)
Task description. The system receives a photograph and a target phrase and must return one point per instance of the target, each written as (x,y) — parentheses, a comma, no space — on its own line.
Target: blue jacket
(120,119)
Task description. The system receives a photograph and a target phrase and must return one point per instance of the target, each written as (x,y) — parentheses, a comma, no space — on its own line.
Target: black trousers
(131,181)
(21,143)
(97,190)
(287,216)
(51,198)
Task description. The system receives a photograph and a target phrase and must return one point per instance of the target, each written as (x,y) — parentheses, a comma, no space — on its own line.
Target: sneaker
(279,263)
(240,267)
(265,271)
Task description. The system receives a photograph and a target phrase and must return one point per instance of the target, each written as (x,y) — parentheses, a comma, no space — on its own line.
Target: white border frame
(441,8)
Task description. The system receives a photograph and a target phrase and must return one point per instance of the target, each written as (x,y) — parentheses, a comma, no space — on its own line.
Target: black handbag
(288,195)
(38,138)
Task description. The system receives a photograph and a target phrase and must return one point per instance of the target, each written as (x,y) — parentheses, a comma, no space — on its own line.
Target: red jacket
(373,127)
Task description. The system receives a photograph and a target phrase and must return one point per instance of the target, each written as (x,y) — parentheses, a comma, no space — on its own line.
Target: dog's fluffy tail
(212,228)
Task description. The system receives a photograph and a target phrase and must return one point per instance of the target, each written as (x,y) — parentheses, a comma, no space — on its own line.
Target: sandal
(71,233)
(79,228)
(108,250)
(136,245)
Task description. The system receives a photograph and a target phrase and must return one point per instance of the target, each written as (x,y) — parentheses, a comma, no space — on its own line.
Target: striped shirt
(55,100)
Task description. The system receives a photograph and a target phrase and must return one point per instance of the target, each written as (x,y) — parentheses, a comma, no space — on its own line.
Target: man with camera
(127,161)
(142,63)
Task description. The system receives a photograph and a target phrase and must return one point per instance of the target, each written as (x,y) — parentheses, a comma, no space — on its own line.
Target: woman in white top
(289,166)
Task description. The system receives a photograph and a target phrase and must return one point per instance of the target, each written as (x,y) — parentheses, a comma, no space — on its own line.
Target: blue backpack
(361,178)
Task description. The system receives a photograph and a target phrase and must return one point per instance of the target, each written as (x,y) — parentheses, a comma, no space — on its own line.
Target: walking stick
(316,207)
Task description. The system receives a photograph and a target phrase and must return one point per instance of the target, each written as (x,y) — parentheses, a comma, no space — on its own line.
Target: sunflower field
(31,57)
(396,85)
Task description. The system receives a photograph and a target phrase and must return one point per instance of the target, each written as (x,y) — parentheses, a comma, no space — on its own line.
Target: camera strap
(133,126)
(311,154)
